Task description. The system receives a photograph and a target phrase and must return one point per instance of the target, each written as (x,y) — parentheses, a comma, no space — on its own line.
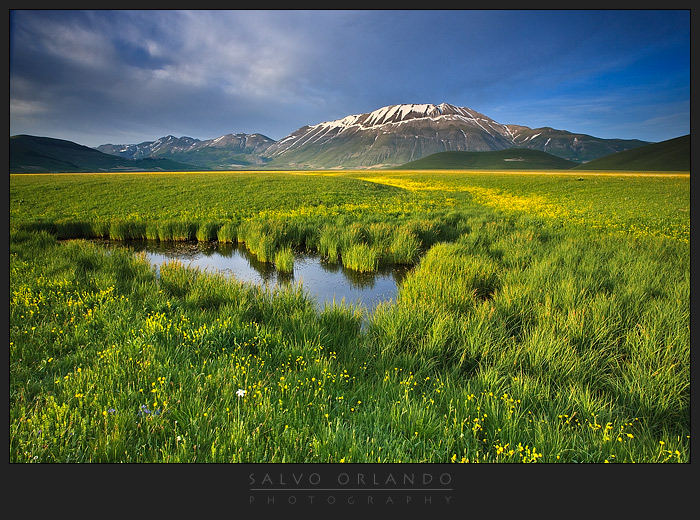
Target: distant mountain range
(228,152)
(386,138)
(31,154)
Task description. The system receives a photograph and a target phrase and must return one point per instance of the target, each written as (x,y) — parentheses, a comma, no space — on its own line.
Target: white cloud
(26,109)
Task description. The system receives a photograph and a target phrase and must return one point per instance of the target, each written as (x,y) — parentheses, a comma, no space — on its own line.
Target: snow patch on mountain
(394,115)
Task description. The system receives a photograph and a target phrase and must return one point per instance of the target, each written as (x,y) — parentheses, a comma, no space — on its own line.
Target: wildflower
(240,392)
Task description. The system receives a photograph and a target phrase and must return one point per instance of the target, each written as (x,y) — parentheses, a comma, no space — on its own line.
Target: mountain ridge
(35,154)
(386,137)
(30,154)
(229,151)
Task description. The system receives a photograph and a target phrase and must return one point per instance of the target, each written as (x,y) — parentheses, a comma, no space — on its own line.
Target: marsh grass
(329,244)
(514,339)
(152,231)
(284,260)
(228,233)
(178,231)
(405,247)
(361,257)
(265,238)
(79,229)
(208,231)
(452,278)
(365,247)
(379,235)
(127,230)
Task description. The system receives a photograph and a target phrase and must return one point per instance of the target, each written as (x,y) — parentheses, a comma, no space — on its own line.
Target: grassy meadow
(546,318)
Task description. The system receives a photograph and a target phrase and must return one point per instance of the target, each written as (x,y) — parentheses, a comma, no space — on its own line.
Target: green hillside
(671,155)
(31,154)
(510,159)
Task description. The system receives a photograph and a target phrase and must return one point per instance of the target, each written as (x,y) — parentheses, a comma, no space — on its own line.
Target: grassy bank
(521,336)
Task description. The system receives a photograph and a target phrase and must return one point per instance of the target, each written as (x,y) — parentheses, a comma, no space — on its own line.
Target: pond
(324,281)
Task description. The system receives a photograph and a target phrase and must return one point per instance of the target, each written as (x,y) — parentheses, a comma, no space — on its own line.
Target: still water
(322,280)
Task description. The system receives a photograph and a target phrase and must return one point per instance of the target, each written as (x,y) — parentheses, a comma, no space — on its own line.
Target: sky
(125,77)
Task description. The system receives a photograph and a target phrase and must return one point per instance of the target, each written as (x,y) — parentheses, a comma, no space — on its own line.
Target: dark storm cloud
(128,76)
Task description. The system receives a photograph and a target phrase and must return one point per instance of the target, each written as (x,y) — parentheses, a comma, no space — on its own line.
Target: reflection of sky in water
(321,280)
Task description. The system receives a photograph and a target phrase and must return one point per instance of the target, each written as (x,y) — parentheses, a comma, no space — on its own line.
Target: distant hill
(510,159)
(670,155)
(31,154)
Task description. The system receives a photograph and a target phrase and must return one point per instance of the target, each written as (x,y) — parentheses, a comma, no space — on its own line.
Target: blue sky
(123,77)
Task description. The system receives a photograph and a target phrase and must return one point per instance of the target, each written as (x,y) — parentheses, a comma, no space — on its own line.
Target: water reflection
(323,280)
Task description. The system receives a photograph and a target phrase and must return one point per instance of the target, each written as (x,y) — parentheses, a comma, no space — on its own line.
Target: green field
(546,319)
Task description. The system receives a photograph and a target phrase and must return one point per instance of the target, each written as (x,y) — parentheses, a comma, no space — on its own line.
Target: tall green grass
(515,338)
(208,231)
(284,260)
(228,233)
(361,257)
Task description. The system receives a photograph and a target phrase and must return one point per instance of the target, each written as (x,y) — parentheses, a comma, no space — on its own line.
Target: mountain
(31,154)
(511,159)
(385,138)
(230,151)
(670,155)
(398,134)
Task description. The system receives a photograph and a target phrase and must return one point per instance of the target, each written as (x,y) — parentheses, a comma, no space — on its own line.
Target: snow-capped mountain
(225,152)
(397,134)
(391,118)
(389,136)
(150,148)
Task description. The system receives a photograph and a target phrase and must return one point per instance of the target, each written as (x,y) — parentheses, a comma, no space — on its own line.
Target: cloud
(98,76)
(198,68)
